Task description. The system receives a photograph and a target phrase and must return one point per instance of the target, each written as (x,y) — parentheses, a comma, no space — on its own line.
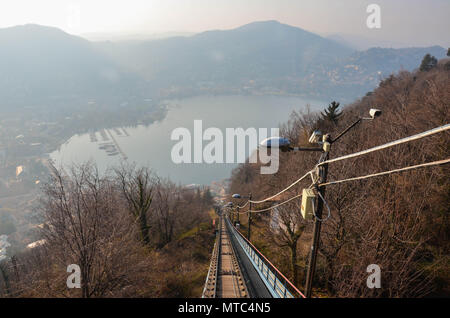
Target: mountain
(361,71)
(259,52)
(362,43)
(385,59)
(263,57)
(131,37)
(43,66)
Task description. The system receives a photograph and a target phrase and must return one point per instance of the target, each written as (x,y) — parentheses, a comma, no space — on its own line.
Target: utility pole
(285,145)
(323,172)
(249,217)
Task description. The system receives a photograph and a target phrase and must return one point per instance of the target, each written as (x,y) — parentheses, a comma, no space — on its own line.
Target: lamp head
(276,142)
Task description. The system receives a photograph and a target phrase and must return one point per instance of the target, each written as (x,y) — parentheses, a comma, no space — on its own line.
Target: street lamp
(249,197)
(284,145)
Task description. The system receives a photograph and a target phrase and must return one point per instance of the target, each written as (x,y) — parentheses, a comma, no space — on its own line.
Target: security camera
(315,137)
(373,112)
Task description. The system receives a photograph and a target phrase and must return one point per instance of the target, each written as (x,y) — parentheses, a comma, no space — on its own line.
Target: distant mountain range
(41,65)
(362,43)
(46,66)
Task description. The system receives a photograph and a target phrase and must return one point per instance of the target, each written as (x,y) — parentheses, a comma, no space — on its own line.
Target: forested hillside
(400,221)
(132,234)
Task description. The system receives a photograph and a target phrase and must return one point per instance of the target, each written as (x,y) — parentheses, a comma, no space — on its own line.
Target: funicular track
(224,278)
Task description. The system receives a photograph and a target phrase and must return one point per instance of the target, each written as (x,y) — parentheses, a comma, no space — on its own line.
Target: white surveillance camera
(373,112)
(315,137)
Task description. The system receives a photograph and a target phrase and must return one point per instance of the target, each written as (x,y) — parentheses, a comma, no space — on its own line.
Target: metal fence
(210,289)
(277,284)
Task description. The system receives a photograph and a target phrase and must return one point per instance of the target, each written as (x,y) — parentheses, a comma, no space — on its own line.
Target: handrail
(219,259)
(209,270)
(272,268)
(214,258)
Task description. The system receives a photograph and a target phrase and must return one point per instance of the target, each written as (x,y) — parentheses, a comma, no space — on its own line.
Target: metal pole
(346,130)
(249,217)
(323,171)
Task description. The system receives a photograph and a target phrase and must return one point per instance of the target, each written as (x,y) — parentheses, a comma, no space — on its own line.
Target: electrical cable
(328,207)
(356,154)
(428,164)
(272,207)
(390,144)
(284,190)
(243,206)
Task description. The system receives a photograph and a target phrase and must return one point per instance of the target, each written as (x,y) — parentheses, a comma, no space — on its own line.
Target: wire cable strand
(390,144)
(428,164)
(243,206)
(360,153)
(284,190)
(272,207)
(326,204)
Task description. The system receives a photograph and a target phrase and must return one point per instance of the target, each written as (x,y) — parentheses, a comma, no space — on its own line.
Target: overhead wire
(356,154)
(326,204)
(390,144)
(243,206)
(284,190)
(272,207)
(428,164)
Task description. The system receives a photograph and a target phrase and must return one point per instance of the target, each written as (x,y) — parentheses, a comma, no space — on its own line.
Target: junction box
(307,206)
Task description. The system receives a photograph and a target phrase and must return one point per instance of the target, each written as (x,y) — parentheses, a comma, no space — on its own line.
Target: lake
(151,146)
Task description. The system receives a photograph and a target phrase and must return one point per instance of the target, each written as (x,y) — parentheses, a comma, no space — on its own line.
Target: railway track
(224,278)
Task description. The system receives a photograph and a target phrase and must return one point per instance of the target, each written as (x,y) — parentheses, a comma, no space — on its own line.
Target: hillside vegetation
(131,233)
(400,221)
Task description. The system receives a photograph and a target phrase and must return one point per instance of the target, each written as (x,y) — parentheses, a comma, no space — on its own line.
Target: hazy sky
(410,22)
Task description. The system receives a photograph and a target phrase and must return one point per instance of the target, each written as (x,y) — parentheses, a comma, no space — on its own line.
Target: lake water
(151,146)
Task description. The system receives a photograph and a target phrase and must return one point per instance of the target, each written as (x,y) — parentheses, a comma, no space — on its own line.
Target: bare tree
(166,205)
(86,225)
(286,228)
(137,187)
(5,289)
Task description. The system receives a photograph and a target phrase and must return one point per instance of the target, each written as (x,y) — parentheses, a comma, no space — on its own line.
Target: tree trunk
(144,227)
(294,263)
(330,269)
